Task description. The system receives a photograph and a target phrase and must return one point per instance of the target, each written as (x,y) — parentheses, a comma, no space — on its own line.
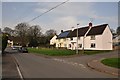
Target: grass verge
(91,52)
(112,62)
(52,52)
(62,52)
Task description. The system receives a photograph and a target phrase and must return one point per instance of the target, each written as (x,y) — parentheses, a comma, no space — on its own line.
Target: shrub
(4,42)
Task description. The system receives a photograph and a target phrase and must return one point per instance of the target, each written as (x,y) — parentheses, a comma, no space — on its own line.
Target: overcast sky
(63,17)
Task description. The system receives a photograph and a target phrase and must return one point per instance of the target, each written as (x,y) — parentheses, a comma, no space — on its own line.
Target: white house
(53,40)
(10,43)
(97,37)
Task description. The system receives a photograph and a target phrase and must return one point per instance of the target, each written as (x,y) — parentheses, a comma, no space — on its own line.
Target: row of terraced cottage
(91,37)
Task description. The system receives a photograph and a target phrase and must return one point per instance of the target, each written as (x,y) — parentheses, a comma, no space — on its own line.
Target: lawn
(113,62)
(61,52)
(51,52)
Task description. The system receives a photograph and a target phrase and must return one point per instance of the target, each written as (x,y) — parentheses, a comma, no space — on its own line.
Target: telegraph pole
(77,40)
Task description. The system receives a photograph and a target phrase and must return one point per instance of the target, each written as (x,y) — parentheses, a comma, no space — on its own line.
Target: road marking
(68,62)
(16,63)
(19,73)
(95,60)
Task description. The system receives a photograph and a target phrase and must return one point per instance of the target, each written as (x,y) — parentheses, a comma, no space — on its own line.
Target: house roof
(81,32)
(95,30)
(64,34)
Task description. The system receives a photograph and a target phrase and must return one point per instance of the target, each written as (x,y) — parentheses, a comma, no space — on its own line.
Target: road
(33,66)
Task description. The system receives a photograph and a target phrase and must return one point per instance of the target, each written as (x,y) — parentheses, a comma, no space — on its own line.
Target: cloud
(41,10)
(69,14)
(70,9)
(65,16)
(112,19)
(0,15)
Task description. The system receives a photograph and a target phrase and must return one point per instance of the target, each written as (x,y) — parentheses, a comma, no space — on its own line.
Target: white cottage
(53,40)
(90,38)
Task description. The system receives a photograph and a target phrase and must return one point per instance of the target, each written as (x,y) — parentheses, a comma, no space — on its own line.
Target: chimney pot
(90,24)
(61,31)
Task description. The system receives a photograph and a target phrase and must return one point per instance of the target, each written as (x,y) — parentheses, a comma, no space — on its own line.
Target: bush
(4,42)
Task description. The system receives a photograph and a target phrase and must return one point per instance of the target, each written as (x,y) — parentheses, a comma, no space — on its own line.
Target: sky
(63,17)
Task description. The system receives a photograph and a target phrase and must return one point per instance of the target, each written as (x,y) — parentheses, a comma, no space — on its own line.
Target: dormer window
(93,37)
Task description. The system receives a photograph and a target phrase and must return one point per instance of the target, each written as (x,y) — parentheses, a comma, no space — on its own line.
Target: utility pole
(77,40)
(83,44)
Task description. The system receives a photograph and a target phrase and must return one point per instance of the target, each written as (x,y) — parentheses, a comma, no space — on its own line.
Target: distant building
(10,43)
(97,37)
(53,40)
(116,42)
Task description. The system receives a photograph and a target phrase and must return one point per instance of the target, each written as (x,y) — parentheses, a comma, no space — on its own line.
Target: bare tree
(118,30)
(8,30)
(50,32)
(21,31)
(34,32)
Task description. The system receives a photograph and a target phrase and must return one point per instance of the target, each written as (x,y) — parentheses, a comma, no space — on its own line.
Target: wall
(53,40)
(107,39)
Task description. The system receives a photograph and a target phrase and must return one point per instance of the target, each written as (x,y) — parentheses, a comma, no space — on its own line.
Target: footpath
(9,70)
(97,65)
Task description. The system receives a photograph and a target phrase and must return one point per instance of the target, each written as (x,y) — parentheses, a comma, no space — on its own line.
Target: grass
(51,52)
(62,52)
(112,62)
(91,52)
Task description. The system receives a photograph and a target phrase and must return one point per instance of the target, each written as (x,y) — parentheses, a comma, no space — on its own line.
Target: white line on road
(71,63)
(16,63)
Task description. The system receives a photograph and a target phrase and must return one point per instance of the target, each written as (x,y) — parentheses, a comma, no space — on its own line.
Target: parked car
(15,47)
(23,50)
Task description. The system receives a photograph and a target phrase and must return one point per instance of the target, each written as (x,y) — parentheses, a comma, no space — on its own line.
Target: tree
(8,30)
(21,31)
(113,31)
(0,31)
(118,30)
(49,34)
(4,41)
(34,32)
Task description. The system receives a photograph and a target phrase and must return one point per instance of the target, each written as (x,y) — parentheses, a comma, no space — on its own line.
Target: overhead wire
(47,11)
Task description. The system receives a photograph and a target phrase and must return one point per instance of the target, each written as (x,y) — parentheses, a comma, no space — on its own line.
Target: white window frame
(93,45)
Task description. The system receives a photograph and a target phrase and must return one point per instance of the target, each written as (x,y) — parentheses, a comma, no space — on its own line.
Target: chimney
(90,24)
(72,28)
(61,31)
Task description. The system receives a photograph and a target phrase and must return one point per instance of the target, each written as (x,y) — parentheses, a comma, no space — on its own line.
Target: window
(79,45)
(60,44)
(92,45)
(64,39)
(93,37)
(69,45)
(71,38)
